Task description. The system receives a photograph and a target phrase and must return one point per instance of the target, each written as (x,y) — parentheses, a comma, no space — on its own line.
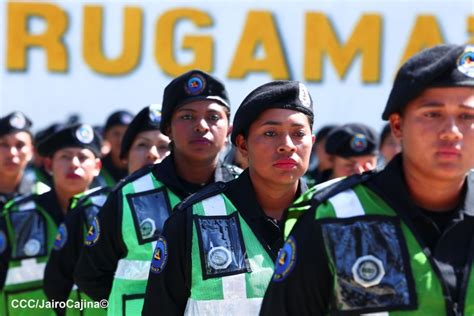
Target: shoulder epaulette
(337,187)
(207,191)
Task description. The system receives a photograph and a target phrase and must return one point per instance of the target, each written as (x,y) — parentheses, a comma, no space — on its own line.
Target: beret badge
(195,84)
(465,62)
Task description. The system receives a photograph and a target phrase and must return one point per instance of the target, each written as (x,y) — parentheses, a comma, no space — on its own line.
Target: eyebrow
(277,123)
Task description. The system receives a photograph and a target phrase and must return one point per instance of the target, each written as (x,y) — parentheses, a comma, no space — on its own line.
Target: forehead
(202,106)
(151,135)
(281,116)
(449,96)
(75,151)
(15,136)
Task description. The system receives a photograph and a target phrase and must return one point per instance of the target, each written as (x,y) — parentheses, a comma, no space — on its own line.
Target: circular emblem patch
(17,120)
(368,271)
(61,237)
(359,142)
(286,260)
(303,95)
(125,118)
(147,228)
(195,85)
(466,62)
(219,257)
(3,241)
(154,113)
(85,134)
(32,247)
(93,233)
(160,255)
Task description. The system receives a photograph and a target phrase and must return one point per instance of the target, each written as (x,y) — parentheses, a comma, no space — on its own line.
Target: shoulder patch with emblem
(61,237)
(93,233)
(160,256)
(286,260)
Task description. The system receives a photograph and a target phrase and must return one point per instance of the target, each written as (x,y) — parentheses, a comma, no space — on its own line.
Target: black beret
(440,66)
(149,118)
(191,86)
(352,140)
(121,118)
(14,122)
(76,135)
(282,94)
(46,132)
(324,131)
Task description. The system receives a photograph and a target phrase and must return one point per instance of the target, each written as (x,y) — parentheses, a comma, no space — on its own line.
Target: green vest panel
(31,232)
(370,268)
(147,203)
(237,267)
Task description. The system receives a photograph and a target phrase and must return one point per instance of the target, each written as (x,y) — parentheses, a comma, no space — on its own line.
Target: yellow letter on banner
(259,30)
(425,34)
(470,29)
(19,39)
(201,45)
(321,40)
(92,42)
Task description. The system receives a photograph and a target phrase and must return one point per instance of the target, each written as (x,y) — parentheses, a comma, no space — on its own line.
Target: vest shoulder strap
(206,192)
(327,192)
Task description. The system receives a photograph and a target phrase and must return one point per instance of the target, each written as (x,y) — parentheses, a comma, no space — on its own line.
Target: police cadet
(399,241)
(143,144)
(216,253)
(113,168)
(115,263)
(32,221)
(353,148)
(16,150)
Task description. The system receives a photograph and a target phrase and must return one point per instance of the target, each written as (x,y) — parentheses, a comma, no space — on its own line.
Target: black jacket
(308,289)
(168,291)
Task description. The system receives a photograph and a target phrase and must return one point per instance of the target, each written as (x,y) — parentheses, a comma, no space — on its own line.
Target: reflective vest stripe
(27,206)
(28,271)
(144,183)
(132,269)
(214,206)
(99,199)
(347,204)
(248,306)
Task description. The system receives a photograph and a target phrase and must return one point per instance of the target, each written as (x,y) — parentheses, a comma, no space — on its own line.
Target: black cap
(46,132)
(352,140)
(148,119)
(440,66)
(191,86)
(324,131)
(120,118)
(14,122)
(76,135)
(291,95)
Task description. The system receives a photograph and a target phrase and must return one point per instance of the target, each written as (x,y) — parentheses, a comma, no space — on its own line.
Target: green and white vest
(146,204)
(376,259)
(237,269)
(31,232)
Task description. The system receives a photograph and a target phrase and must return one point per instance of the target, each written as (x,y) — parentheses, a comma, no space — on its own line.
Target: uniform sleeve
(5,252)
(95,269)
(304,287)
(58,275)
(168,291)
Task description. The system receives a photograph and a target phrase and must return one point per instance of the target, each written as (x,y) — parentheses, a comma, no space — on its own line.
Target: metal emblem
(32,247)
(219,257)
(368,271)
(85,134)
(466,62)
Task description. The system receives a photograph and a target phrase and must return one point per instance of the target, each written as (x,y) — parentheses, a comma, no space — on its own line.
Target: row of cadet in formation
(229,208)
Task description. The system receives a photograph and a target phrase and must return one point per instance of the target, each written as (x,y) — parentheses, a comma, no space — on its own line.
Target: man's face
(278,146)
(344,167)
(199,130)
(436,131)
(73,169)
(16,150)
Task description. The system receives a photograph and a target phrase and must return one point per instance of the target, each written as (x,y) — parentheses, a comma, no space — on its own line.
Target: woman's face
(278,146)
(148,148)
